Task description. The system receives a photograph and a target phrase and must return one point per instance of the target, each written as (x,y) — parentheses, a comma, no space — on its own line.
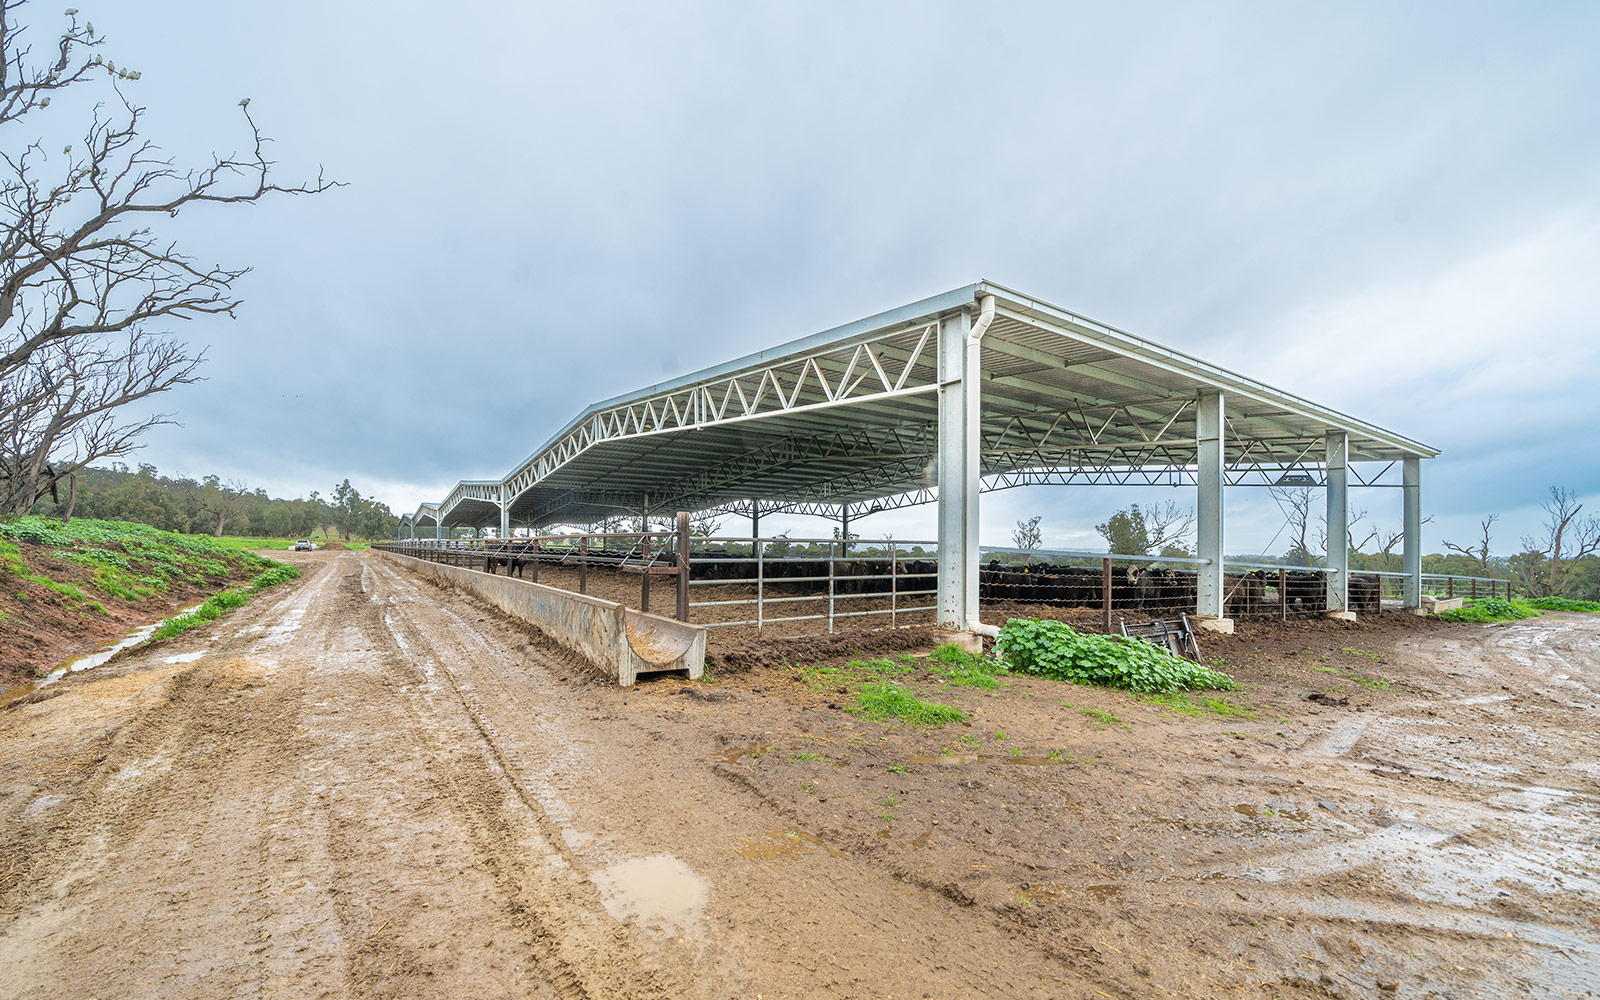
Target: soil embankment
(366,785)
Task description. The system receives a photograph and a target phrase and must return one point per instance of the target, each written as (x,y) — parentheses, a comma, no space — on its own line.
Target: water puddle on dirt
(732,755)
(1026,761)
(658,891)
(89,662)
(184,657)
(1254,812)
(945,758)
(782,845)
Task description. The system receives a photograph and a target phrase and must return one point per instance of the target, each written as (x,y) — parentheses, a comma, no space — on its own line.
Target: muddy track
(368,785)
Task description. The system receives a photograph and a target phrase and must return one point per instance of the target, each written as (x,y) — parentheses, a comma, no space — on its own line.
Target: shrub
(1054,649)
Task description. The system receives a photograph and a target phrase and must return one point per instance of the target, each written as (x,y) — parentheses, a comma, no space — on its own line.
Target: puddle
(945,758)
(733,755)
(184,657)
(1254,812)
(1026,761)
(658,891)
(1103,893)
(782,845)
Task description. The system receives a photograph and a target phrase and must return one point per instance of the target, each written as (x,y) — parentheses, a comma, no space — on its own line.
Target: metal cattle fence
(823,584)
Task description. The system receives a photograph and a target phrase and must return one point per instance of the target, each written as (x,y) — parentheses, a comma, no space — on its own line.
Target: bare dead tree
(1167,524)
(1027,537)
(86,283)
(1567,539)
(1478,551)
(1297,504)
(704,525)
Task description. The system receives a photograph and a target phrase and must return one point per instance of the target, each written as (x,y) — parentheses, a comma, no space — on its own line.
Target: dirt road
(364,785)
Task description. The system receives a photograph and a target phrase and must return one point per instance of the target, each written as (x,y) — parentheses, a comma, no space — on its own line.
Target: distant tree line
(213,507)
(1562,561)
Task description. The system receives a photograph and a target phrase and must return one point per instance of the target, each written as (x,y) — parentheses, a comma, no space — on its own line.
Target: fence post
(894,586)
(533,547)
(1283,594)
(683,566)
(831,550)
(1474,589)
(583,564)
(1449,586)
(644,588)
(1105,591)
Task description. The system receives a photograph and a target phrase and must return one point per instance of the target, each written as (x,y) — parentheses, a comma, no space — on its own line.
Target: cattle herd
(1155,589)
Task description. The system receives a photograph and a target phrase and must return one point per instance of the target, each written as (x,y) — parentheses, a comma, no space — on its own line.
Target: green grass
(1108,718)
(1185,703)
(1560,604)
(960,668)
(888,700)
(808,755)
(215,607)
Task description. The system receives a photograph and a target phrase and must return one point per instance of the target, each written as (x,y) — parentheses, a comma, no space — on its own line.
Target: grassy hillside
(67,588)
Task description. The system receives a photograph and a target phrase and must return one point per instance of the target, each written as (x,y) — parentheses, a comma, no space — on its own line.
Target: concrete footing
(609,635)
(1220,625)
(1344,616)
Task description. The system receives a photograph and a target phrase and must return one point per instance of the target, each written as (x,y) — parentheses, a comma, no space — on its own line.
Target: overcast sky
(1391,209)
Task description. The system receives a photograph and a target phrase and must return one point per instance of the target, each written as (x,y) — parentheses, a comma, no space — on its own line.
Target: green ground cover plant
(1489,609)
(1561,604)
(1053,649)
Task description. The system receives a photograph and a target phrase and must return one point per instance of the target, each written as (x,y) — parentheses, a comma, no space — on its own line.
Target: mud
(366,785)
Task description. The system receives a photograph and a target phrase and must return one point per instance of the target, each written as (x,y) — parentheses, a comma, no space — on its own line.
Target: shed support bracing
(960,450)
(1411,546)
(1209,427)
(1338,463)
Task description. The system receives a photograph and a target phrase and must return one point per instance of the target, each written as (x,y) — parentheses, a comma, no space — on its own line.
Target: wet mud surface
(366,785)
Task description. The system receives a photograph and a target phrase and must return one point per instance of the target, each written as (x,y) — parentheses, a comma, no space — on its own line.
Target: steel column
(505,513)
(1209,427)
(1411,546)
(1338,466)
(960,452)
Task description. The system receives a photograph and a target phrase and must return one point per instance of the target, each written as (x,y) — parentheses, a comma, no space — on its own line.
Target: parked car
(304,545)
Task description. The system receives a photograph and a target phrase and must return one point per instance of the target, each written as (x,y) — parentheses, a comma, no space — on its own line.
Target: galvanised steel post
(1209,427)
(1411,546)
(960,453)
(505,513)
(1338,466)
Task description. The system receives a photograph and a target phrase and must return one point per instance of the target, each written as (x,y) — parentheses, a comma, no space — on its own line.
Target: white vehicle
(304,545)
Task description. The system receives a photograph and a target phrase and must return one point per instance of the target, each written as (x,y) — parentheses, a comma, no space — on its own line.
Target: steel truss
(861,373)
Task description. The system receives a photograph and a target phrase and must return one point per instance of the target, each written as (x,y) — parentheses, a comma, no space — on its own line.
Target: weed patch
(1560,604)
(886,700)
(1054,649)
(1488,609)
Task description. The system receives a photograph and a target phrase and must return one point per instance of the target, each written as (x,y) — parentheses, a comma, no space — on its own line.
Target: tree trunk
(72,498)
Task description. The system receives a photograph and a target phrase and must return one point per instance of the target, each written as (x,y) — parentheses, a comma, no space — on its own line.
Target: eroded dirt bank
(369,786)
